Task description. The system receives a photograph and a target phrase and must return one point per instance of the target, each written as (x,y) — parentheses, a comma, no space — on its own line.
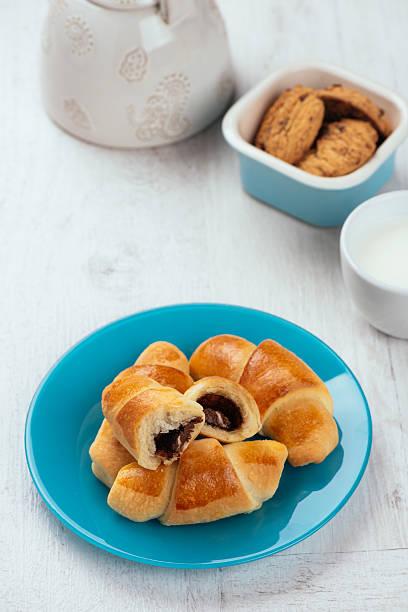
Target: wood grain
(88,235)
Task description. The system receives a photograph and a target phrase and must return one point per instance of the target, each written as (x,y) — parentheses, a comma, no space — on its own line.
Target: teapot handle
(175,10)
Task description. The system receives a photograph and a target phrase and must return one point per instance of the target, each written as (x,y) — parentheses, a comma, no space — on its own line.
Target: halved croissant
(295,406)
(154,423)
(107,453)
(211,482)
(231,413)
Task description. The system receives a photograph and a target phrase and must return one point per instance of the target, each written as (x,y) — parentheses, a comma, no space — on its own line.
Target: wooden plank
(88,235)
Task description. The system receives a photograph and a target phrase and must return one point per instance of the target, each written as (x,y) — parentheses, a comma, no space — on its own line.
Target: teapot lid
(126,4)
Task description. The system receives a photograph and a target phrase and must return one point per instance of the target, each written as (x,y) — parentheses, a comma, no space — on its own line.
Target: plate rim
(100,543)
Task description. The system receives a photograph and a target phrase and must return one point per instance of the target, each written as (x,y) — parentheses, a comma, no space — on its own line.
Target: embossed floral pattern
(77,114)
(164,110)
(77,30)
(133,67)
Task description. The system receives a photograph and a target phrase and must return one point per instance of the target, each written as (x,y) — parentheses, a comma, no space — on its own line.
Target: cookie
(343,147)
(291,124)
(341,102)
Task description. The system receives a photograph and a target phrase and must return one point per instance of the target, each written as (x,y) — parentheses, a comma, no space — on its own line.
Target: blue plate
(65,414)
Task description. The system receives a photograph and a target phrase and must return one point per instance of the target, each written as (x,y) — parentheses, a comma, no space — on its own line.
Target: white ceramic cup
(385,306)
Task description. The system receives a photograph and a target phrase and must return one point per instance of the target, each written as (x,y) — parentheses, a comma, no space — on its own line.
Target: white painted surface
(88,235)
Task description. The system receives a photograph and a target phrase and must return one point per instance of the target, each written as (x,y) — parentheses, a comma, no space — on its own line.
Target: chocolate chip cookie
(342,147)
(342,102)
(291,124)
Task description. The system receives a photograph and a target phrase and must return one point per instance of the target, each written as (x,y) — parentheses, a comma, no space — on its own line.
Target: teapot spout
(173,11)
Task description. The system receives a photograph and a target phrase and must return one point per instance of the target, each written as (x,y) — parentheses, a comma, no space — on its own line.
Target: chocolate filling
(220,411)
(169,443)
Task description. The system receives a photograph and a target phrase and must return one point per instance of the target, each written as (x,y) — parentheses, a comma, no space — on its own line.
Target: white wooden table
(88,235)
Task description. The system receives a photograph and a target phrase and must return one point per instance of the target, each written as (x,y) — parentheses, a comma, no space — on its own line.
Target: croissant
(154,423)
(231,413)
(294,404)
(164,353)
(209,482)
(107,453)
(165,375)
(140,494)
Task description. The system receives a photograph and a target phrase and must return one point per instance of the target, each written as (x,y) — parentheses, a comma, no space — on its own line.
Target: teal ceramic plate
(65,414)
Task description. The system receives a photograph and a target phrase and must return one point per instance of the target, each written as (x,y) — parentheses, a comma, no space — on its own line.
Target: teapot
(135,73)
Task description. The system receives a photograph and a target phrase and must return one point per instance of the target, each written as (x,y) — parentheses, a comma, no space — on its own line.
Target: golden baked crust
(343,147)
(164,375)
(279,381)
(210,482)
(140,409)
(273,372)
(163,353)
(259,464)
(342,102)
(303,423)
(236,421)
(140,494)
(224,355)
(108,455)
(121,390)
(291,124)
(295,405)
(207,487)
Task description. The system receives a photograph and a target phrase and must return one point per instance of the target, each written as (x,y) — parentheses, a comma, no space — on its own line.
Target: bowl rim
(345,252)
(385,150)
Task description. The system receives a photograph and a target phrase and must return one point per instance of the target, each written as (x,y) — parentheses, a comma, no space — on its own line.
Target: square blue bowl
(321,201)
